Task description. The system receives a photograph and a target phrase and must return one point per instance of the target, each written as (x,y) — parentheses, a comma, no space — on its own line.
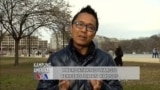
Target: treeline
(141,45)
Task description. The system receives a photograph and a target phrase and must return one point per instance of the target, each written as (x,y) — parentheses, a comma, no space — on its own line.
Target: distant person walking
(157,53)
(154,53)
(119,55)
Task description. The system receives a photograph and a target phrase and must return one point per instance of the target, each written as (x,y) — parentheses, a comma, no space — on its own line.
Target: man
(154,53)
(81,51)
(119,55)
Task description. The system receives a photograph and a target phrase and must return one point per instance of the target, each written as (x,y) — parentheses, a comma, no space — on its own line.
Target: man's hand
(64,84)
(96,84)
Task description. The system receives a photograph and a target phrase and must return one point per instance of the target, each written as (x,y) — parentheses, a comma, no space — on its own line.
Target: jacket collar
(91,48)
(82,59)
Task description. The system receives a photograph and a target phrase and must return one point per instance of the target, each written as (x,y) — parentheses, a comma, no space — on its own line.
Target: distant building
(43,44)
(8,43)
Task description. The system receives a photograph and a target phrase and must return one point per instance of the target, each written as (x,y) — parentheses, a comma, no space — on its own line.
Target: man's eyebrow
(85,23)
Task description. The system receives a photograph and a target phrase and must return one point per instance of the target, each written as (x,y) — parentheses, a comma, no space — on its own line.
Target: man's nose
(84,28)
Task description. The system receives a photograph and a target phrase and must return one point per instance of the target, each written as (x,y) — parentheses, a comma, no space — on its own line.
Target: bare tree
(2,34)
(64,25)
(61,24)
(21,18)
(2,30)
(141,45)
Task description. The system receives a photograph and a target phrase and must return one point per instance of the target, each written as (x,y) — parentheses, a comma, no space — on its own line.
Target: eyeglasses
(82,25)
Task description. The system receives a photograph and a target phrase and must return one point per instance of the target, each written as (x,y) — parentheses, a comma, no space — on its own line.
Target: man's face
(83,29)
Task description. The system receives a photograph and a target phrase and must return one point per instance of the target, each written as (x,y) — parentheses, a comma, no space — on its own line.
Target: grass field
(21,77)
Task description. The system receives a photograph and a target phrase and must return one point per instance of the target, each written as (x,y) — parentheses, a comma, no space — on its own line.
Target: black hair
(90,10)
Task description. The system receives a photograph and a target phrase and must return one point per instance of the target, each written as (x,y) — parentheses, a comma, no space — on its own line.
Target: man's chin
(82,44)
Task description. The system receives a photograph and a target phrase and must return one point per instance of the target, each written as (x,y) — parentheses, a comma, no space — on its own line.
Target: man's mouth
(81,37)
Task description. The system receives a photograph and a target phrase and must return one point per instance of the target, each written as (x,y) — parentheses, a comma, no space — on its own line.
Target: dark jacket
(70,57)
(119,55)
(119,52)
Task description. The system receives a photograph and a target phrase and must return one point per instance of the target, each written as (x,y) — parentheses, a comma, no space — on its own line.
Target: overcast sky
(123,19)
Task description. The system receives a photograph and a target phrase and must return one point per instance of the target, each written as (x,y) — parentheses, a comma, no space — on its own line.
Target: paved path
(140,58)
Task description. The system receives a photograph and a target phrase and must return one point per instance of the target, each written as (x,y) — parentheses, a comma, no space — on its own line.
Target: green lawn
(21,77)
(18,77)
(149,77)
